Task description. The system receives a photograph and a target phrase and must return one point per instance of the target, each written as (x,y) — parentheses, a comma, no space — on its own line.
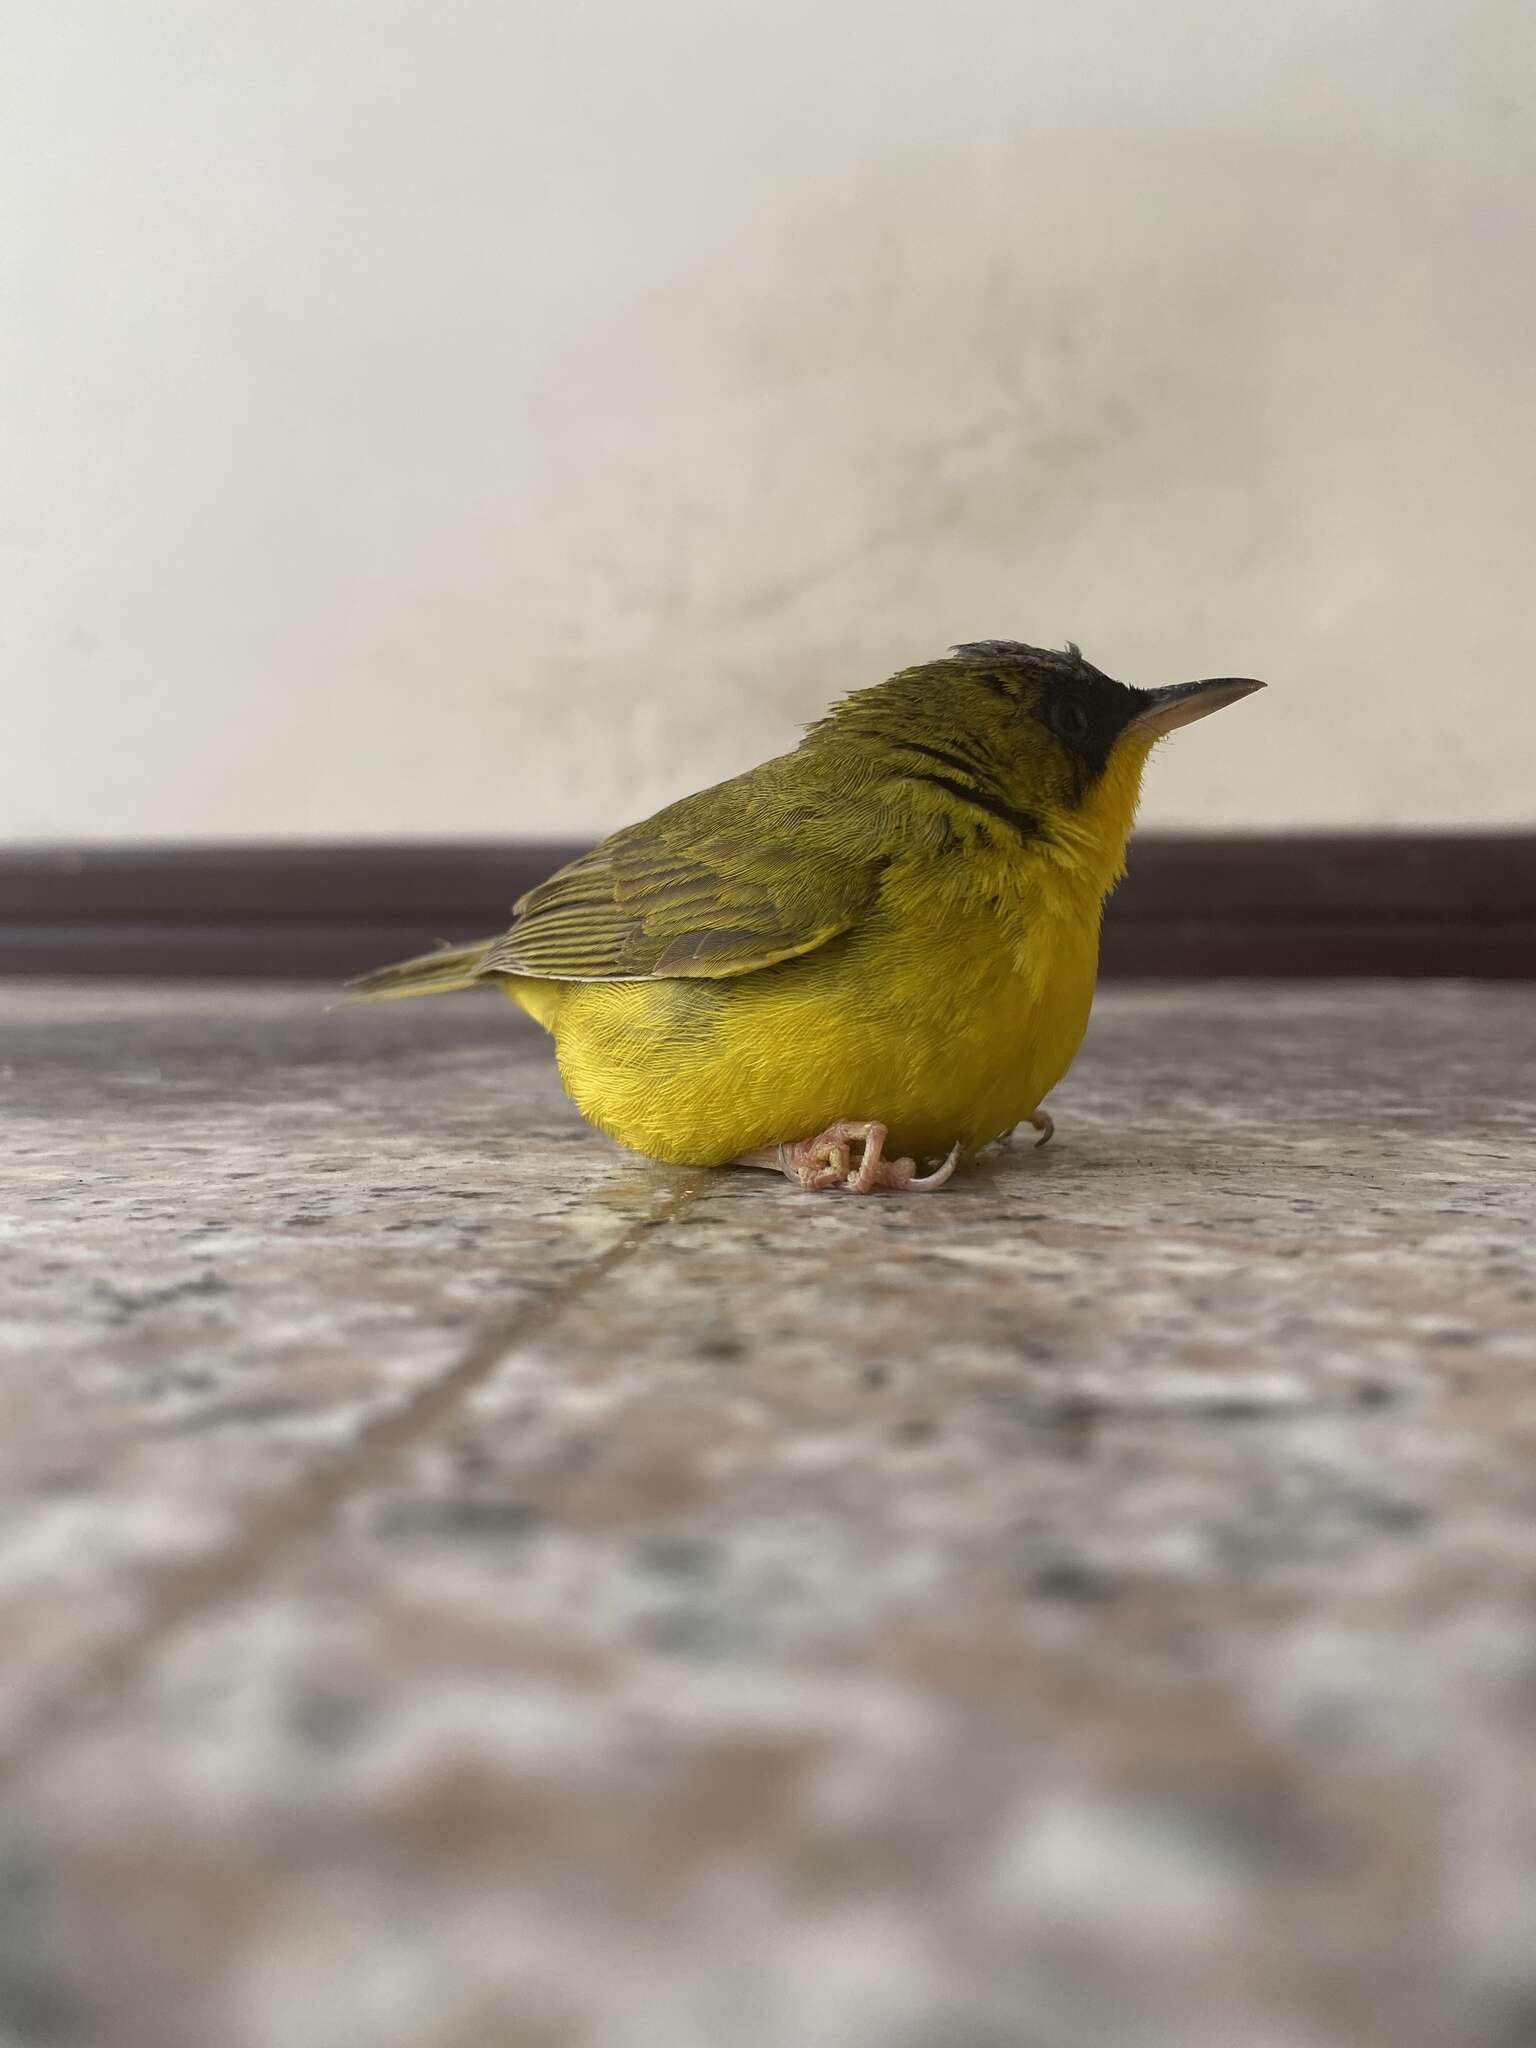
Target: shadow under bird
(877,951)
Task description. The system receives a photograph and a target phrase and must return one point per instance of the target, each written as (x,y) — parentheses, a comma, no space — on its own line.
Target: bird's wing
(743,875)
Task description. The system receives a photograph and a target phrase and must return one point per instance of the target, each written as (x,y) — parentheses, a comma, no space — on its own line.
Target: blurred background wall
(481,418)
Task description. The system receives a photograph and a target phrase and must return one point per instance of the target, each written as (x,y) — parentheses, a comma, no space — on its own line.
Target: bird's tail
(429,974)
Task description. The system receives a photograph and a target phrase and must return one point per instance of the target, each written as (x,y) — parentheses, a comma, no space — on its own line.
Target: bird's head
(1046,734)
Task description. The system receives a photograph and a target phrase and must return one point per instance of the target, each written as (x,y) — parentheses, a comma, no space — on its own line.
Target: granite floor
(462,1587)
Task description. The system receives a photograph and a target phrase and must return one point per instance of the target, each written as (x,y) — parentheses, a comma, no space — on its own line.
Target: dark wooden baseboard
(1413,904)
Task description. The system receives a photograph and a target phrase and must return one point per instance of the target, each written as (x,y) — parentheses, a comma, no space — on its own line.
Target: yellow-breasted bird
(885,940)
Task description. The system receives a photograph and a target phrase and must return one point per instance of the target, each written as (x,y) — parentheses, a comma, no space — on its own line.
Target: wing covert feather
(753,871)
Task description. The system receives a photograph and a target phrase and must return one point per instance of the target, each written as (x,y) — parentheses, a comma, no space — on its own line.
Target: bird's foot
(1043,1122)
(826,1161)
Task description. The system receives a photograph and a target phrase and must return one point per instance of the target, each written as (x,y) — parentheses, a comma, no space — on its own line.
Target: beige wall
(502,417)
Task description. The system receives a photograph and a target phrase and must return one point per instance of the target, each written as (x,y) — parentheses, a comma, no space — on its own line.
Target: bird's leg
(826,1161)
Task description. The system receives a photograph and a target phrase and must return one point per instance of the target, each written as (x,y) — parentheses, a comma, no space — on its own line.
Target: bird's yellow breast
(947,1016)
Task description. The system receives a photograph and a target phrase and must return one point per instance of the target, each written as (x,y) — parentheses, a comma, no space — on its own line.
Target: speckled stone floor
(461,1587)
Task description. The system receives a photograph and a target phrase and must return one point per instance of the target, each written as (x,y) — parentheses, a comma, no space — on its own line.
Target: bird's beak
(1182,703)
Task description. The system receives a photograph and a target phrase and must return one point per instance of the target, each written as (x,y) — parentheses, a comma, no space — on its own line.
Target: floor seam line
(177,1594)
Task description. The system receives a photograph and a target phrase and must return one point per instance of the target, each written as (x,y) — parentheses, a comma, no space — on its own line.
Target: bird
(864,960)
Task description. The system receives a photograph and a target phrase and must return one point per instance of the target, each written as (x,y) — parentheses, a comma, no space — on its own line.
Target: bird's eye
(1069,715)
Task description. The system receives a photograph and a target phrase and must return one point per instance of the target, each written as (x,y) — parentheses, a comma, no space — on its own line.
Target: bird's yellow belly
(954,1041)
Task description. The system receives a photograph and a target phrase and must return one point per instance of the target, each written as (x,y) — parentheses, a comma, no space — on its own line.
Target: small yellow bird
(883,943)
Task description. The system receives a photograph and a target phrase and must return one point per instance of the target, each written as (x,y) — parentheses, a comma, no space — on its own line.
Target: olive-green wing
(751,872)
